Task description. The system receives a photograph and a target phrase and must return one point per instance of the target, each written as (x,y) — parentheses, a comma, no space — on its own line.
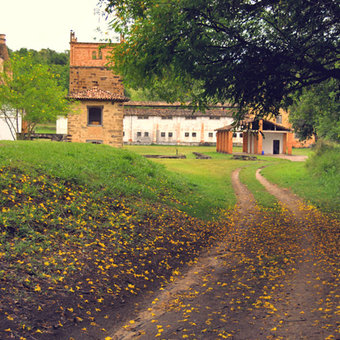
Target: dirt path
(265,280)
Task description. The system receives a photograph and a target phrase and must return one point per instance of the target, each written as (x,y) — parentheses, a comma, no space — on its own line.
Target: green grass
(210,180)
(46,128)
(261,195)
(120,172)
(179,149)
(320,189)
(302,151)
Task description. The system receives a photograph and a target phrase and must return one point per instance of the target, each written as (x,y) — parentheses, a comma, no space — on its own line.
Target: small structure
(259,137)
(99,93)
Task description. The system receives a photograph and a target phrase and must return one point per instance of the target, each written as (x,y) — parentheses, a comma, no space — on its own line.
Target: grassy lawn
(84,227)
(179,150)
(46,128)
(302,151)
(211,178)
(321,190)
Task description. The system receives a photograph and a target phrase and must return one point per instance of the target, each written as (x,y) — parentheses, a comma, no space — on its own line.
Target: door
(276,147)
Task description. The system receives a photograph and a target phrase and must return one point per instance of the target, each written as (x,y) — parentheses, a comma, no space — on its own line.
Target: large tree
(30,90)
(253,53)
(316,112)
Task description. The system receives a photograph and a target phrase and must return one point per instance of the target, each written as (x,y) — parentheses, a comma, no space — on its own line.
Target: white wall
(200,130)
(61,125)
(267,143)
(5,132)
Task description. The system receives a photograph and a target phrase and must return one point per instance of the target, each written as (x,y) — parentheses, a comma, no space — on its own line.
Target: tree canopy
(32,90)
(316,112)
(58,62)
(254,54)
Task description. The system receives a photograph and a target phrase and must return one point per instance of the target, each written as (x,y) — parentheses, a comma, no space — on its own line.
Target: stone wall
(109,132)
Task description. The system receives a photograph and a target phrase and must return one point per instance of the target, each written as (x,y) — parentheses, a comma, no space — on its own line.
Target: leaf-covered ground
(76,265)
(274,276)
(70,260)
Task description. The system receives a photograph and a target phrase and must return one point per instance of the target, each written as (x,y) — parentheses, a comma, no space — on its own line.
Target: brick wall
(88,68)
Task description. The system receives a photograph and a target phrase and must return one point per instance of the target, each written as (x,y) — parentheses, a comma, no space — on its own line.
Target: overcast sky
(37,24)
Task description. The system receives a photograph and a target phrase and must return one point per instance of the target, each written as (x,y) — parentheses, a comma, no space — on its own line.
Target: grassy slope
(320,186)
(83,227)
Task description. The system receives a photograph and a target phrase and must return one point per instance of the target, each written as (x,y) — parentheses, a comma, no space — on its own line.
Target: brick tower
(99,93)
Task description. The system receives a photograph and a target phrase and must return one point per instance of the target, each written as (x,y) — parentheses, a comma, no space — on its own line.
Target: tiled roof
(175,104)
(175,110)
(97,94)
(267,126)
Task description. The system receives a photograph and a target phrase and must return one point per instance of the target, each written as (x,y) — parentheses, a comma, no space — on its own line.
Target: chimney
(3,48)
(73,37)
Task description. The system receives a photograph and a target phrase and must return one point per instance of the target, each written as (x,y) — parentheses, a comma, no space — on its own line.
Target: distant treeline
(58,62)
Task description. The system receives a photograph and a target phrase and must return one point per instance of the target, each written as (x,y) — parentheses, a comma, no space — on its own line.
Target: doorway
(276,146)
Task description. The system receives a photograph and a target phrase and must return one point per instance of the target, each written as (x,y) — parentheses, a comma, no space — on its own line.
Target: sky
(38,24)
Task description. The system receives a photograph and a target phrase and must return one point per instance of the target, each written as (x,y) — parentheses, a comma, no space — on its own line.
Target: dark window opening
(186,134)
(190,117)
(170,134)
(95,115)
(94,141)
(234,134)
(139,134)
(211,134)
(214,117)
(94,55)
(162,134)
(241,135)
(194,134)
(146,134)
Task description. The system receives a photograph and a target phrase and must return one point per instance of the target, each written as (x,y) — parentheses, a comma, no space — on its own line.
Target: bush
(325,162)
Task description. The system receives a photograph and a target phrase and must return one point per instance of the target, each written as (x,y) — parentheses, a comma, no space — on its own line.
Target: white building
(9,125)
(173,124)
(170,124)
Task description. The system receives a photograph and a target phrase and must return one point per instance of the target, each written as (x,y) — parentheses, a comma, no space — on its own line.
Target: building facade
(174,124)
(99,93)
(259,137)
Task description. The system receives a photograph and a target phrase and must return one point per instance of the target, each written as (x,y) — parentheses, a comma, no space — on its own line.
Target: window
(190,117)
(139,134)
(94,55)
(123,133)
(94,115)
(234,134)
(100,55)
(162,134)
(186,134)
(143,117)
(94,141)
(167,117)
(214,117)
(241,135)
(194,134)
(146,134)
(210,135)
(170,134)
(279,119)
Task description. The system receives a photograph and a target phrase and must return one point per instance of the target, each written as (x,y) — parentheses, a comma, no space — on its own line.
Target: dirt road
(275,276)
